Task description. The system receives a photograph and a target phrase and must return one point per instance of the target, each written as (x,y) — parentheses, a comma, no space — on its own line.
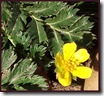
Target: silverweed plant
(33,35)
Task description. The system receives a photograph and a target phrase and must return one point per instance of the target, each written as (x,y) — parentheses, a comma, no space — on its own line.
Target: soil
(73,87)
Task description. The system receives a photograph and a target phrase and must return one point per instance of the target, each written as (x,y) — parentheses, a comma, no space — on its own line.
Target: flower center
(71,64)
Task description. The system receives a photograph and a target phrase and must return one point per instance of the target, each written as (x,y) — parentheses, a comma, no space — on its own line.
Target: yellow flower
(68,64)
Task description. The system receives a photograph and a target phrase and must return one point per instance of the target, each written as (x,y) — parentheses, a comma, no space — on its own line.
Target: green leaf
(55,41)
(87,39)
(43,9)
(18,87)
(14,27)
(75,36)
(24,68)
(70,26)
(14,24)
(36,31)
(8,58)
(5,76)
(64,15)
(40,81)
(23,39)
(33,80)
(37,51)
(81,24)
(6,13)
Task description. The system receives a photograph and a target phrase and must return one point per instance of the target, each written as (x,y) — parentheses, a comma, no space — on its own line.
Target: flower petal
(64,78)
(81,55)
(68,50)
(59,60)
(82,72)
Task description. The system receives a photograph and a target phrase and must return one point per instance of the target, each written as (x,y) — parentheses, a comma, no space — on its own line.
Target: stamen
(71,65)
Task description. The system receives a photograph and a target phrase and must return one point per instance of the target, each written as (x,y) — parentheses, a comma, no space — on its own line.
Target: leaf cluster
(17,74)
